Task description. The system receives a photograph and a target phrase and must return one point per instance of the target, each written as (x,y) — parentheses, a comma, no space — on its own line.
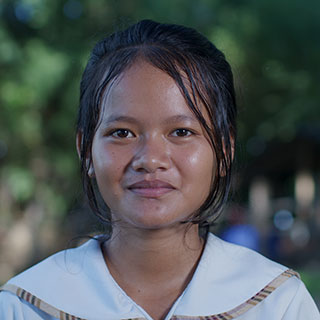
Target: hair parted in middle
(204,78)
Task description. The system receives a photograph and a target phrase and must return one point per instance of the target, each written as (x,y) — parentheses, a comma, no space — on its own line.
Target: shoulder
(60,280)
(270,286)
(240,262)
(10,306)
(235,252)
(71,282)
(290,301)
(13,308)
(301,306)
(68,263)
(246,282)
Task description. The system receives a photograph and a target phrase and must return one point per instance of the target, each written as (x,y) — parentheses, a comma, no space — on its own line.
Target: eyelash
(175,133)
(187,131)
(115,133)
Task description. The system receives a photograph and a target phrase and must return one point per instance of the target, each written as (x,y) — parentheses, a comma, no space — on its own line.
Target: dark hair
(201,72)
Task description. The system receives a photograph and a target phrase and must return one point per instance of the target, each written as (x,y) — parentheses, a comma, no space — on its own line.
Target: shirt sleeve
(14,308)
(302,306)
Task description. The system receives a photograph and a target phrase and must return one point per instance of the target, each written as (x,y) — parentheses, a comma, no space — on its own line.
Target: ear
(89,165)
(79,143)
(233,147)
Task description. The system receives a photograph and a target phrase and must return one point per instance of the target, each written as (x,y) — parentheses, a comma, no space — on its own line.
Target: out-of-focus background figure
(274,49)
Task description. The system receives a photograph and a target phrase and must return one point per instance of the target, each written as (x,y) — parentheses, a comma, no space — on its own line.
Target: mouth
(151,189)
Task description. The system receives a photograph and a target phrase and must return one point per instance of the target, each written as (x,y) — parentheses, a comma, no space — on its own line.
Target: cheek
(199,166)
(108,164)
(102,161)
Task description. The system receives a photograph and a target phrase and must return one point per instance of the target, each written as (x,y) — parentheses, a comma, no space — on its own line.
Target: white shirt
(78,282)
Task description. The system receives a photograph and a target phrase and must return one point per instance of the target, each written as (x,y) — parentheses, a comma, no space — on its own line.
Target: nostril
(149,164)
(140,169)
(151,155)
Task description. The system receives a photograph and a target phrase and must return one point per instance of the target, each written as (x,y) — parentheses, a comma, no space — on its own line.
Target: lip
(151,189)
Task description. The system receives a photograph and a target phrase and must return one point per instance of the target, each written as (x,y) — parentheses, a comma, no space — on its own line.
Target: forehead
(143,87)
(145,90)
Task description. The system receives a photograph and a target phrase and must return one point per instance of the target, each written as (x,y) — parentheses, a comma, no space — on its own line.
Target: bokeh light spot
(23,12)
(283,220)
(300,234)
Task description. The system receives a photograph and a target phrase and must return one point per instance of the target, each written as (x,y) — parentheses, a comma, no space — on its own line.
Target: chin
(152,222)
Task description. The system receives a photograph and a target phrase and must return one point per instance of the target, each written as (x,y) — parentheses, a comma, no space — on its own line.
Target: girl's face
(150,155)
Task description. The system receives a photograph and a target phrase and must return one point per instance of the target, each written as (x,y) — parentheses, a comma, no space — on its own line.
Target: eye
(122,133)
(182,132)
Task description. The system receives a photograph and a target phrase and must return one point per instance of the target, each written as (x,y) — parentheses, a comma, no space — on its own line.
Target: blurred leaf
(21,183)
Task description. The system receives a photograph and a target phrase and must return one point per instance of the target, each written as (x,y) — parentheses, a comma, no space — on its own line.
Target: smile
(151,189)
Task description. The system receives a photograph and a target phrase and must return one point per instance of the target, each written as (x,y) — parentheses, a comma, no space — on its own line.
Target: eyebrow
(170,120)
(181,118)
(120,119)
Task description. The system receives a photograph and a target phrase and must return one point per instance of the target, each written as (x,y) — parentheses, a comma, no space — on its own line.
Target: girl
(156,138)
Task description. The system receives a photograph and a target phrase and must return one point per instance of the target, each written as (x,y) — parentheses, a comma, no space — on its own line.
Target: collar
(77,281)
(227,276)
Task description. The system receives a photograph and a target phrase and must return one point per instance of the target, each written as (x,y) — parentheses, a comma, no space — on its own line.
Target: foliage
(273,46)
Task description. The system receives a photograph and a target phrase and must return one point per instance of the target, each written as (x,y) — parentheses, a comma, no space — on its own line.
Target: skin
(153,164)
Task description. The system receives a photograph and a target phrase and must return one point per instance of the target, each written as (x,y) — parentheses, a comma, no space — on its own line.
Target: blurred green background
(274,49)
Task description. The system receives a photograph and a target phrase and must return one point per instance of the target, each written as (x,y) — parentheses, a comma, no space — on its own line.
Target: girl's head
(203,77)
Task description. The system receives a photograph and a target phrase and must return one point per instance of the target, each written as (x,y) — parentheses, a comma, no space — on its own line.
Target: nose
(151,155)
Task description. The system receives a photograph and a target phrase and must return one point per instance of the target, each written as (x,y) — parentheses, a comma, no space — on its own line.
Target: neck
(154,266)
(153,254)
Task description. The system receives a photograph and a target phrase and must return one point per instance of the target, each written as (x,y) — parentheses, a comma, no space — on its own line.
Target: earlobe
(89,165)
(91,173)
